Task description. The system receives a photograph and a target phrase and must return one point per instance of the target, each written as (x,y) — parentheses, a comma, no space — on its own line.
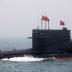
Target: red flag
(62,23)
(45,18)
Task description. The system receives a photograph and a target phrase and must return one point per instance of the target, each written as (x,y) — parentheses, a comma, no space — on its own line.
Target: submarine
(45,43)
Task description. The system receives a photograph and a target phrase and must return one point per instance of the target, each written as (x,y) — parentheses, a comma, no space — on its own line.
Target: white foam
(25,59)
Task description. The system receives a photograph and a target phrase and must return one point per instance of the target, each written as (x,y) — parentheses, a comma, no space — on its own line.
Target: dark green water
(29,64)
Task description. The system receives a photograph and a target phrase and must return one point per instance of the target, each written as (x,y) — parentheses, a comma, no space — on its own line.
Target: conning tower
(42,39)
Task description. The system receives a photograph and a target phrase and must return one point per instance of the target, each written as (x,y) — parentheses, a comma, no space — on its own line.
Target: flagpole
(41,24)
(45,21)
(48,25)
(45,24)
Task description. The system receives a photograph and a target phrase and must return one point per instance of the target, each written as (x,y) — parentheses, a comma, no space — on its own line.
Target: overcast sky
(19,17)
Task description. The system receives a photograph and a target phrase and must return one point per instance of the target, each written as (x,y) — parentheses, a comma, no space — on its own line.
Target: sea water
(29,63)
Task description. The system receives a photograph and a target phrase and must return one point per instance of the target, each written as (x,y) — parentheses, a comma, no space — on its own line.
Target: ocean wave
(24,59)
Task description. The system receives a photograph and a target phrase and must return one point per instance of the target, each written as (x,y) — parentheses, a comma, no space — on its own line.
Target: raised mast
(44,18)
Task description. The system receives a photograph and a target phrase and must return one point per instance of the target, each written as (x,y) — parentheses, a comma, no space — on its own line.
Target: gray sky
(19,17)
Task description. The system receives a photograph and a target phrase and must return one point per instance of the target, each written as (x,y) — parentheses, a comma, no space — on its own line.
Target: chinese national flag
(62,23)
(45,18)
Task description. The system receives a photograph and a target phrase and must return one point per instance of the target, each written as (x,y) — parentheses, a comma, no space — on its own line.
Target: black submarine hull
(60,51)
(45,43)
